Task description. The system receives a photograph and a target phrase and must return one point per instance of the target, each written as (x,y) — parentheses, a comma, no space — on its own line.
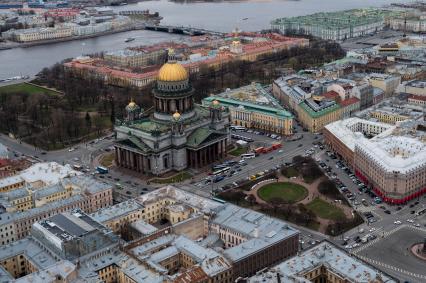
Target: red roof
(417,97)
(331,94)
(4,162)
(349,101)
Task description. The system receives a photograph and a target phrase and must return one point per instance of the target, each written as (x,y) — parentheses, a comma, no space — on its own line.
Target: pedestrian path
(380,236)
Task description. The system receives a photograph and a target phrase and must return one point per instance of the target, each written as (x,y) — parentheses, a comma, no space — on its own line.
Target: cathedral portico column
(123,158)
(130,160)
(117,156)
(126,161)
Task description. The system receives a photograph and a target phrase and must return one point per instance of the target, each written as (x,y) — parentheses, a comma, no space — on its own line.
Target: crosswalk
(380,237)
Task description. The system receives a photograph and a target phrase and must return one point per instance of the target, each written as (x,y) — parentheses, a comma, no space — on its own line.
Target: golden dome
(172,72)
(176,115)
(132,104)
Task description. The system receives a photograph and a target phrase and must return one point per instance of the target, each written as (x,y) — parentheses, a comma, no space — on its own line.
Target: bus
(102,170)
(238,137)
(248,156)
(221,171)
(276,145)
(259,150)
(237,128)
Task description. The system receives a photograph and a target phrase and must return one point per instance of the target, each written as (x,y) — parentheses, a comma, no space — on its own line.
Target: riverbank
(12,45)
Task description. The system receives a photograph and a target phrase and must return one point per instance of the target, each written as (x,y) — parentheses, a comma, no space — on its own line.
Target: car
(128,192)
(412,211)
(145,189)
(416,225)
(410,220)
(398,208)
(387,211)
(372,237)
(270,158)
(43,153)
(116,179)
(397,222)
(300,145)
(71,149)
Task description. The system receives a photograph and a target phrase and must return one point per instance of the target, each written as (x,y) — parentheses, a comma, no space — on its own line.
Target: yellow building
(315,119)
(253,107)
(117,216)
(136,58)
(36,34)
(11,183)
(51,194)
(17,200)
(18,265)
(389,117)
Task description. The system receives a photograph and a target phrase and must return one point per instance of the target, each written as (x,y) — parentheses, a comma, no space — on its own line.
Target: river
(220,16)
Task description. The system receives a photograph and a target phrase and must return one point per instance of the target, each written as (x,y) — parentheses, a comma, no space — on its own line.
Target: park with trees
(299,193)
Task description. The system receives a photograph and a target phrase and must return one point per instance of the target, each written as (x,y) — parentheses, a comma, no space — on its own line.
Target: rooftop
(31,250)
(48,172)
(329,256)
(338,20)
(317,109)
(116,211)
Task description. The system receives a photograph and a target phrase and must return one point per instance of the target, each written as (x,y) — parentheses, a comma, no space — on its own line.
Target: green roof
(135,143)
(339,19)
(322,112)
(201,135)
(227,102)
(148,125)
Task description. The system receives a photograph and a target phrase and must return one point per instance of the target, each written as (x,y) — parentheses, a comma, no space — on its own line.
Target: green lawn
(325,210)
(26,88)
(238,151)
(173,179)
(288,192)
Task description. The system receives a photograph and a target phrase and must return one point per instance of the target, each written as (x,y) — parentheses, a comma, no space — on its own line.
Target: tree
(293,62)
(88,121)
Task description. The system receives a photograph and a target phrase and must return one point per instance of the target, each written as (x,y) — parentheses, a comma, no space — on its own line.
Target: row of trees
(265,69)
(63,119)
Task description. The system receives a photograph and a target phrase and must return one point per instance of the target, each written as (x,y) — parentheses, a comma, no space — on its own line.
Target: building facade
(390,159)
(81,192)
(253,107)
(336,26)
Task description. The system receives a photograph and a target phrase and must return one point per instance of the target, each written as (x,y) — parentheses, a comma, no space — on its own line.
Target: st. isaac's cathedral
(179,134)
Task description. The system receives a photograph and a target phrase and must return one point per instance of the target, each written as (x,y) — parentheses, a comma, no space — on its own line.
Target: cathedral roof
(172,72)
